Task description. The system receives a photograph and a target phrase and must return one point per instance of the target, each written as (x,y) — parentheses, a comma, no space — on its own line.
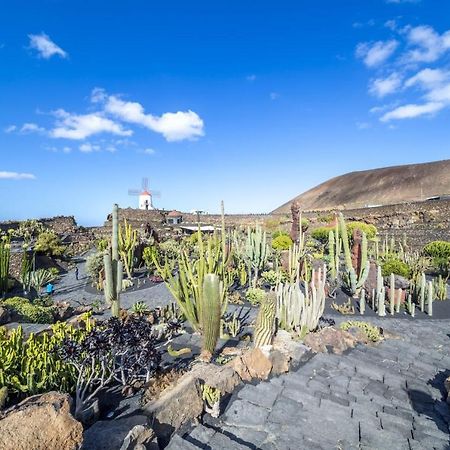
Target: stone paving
(390,396)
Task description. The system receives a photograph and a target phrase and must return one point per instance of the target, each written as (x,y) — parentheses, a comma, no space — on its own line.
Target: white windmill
(145,195)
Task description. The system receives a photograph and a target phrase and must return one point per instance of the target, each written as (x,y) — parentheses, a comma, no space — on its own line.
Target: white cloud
(89,148)
(31,128)
(16,176)
(429,45)
(381,87)
(173,126)
(375,53)
(391,24)
(274,96)
(10,128)
(149,151)
(363,125)
(412,111)
(251,77)
(78,127)
(428,78)
(45,47)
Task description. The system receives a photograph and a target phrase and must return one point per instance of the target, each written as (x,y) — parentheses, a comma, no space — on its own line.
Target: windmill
(145,195)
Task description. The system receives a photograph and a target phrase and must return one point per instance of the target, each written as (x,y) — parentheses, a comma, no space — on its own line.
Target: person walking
(50,289)
(76,273)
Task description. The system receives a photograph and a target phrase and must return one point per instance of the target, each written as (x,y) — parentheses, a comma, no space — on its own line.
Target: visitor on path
(50,289)
(76,273)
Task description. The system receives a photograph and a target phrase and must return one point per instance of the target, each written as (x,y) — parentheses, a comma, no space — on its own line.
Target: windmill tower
(145,195)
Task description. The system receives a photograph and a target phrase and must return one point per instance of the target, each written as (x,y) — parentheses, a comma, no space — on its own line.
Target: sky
(242,101)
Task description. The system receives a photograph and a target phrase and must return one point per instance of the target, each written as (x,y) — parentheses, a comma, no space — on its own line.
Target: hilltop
(384,186)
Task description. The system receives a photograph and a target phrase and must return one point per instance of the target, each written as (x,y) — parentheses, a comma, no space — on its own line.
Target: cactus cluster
(113,267)
(31,366)
(128,240)
(353,279)
(300,311)
(256,253)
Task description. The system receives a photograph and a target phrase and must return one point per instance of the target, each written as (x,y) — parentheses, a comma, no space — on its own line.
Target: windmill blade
(145,184)
(156,194)
(134,192)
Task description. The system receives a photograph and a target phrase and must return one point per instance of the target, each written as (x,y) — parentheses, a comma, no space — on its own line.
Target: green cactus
(392,295)
(354,281)
(362,302)
(422,291)
(187,286)
(5,254)
(113,268)
(265,322)
(210,313)
(127,242)
(256,253)
(430,298)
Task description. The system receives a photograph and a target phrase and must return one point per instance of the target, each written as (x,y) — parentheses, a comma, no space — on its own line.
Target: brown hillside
(384,186)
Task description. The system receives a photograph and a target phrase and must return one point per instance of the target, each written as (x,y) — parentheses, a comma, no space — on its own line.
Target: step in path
(386,397)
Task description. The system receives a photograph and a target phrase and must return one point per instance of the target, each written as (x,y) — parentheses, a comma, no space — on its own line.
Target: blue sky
(249,102)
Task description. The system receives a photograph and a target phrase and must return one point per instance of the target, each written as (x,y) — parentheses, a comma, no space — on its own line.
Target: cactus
(210,313)
(381,304)
(300,311)
(392,295)
(127,242)
(399,301)
(354,281)
(187,286)
(362,302)
(265,322)
(256,253)
(113,268)
(422,290)
(5,254)
(211,397)
(430,299)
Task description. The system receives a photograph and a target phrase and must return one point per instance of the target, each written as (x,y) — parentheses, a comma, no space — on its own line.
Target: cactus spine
(113,268)
(265,322)
(210,313)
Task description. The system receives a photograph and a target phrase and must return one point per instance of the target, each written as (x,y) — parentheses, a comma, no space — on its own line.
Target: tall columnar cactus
(210,313)
(265,322)
(362,302)
(422,291)
(5,254)
(430,299)
(256,253)
(113,268)
(381,302)
(392,295)
(354,281)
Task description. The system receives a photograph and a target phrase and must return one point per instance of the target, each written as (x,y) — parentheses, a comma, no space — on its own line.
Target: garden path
(387,396)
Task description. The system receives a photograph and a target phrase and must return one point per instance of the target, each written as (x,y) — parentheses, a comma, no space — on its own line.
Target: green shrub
(255,295)
(437,249)
(326,219)
(29,312)
(321,234)
(395,266)
(277,233)
(271,277)
(370,230)
(282,242)
(49,244)
(372,332)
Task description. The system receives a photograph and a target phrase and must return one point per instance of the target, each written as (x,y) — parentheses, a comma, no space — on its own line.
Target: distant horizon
(248,103)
